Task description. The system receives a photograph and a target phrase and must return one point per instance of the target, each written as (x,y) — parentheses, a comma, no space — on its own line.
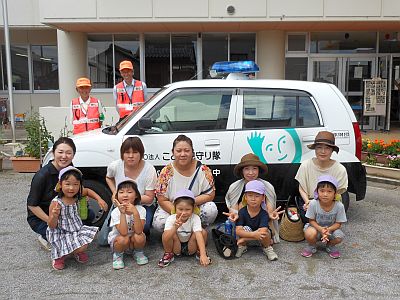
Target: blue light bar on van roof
(246,66)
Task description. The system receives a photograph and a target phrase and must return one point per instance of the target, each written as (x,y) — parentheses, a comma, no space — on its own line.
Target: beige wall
(22,13)
(271,54)
(213,10)
(24,103)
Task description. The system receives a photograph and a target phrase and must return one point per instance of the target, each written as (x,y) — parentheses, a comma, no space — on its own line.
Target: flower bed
(378,152)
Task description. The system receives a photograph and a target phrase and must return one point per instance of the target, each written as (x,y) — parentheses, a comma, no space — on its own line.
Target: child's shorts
(255,242)
(185,249)
(336,234)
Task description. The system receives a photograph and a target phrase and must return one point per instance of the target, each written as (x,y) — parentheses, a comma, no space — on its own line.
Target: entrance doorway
(348,74)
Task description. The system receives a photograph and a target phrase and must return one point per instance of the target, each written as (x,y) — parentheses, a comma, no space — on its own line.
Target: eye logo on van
(283,146)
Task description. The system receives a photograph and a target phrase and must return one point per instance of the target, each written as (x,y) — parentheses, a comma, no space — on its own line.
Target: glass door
(348,74)
(395,92)
(354,71)
(384,62)
(325,70)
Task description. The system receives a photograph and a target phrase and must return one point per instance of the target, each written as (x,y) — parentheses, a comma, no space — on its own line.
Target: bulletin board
(375,95)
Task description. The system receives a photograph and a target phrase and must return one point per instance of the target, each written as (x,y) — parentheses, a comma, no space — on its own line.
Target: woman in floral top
(179,175)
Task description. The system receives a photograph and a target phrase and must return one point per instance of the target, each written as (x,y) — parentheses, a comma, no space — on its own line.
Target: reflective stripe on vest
(84,122)
(127,105)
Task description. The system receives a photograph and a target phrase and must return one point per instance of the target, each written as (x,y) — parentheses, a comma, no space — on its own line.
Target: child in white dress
(66,232)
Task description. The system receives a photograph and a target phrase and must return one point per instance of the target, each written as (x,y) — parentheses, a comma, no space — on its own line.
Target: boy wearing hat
(252,224)
(250,168)
(130,94)
(326,216)
(321,164)
(87,112)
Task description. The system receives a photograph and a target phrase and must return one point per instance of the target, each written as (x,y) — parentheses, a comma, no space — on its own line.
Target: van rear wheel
(105,194)
(346,200)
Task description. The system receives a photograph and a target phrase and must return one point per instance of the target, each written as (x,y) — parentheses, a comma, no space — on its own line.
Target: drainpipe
(9,71)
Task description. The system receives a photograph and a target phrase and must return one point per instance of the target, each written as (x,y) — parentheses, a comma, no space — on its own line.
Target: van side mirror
(145,124)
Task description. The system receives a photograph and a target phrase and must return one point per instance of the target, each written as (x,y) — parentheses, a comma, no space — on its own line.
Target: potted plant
(38,138)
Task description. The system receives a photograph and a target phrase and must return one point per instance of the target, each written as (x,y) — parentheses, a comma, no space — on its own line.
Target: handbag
(300,208)
(102,236)
(225,243)
(291,230)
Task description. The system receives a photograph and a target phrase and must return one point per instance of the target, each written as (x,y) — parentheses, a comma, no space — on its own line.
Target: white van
(274,119)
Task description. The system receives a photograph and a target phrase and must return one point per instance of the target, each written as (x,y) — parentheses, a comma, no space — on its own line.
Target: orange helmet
(83,81)
(126,64)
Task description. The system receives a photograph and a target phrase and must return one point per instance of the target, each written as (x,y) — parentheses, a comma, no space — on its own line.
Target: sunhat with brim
(187,194)
(62,172)
(124,180)
(67,169)
(326,178)
(325,138)
(258,187)
(249,159)
(126,64)
(83,81)
(184,194)
(255,186)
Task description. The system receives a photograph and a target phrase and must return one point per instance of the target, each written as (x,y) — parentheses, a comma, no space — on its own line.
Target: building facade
(54,42)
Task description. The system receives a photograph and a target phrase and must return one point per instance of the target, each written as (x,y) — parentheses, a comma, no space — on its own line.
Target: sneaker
(308,251)
(81,257)
(270,253)
(118,261)
(58,264)
(198,256)
(140,258)
(241,249)
(167,258)
(333,251)
(44,244)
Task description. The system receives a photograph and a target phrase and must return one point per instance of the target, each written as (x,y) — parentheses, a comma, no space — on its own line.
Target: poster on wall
(375,91)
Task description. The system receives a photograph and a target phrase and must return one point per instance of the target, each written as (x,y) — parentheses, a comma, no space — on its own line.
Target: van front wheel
(105,194)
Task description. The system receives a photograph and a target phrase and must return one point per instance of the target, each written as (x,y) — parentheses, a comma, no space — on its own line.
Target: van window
(278,109)
(192,110)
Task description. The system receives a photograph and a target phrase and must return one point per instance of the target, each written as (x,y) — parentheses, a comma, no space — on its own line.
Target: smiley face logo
(282,146)
(282,153)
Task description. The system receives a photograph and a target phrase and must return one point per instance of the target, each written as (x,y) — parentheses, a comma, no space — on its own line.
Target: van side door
(206,115)
(276,125)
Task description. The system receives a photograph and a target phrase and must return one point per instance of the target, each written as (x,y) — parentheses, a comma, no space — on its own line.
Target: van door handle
(308,139)
(212,143)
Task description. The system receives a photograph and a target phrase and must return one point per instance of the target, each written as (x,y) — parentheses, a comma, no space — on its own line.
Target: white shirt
(193,224)
(116,219)
(146,180)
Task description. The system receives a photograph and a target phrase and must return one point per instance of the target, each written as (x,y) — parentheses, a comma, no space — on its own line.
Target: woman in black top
(43,184)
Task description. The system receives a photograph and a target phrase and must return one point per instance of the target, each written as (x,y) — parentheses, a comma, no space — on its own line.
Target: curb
(383,180)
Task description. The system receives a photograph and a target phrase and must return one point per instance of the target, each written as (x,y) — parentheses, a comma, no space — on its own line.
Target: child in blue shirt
(252,224)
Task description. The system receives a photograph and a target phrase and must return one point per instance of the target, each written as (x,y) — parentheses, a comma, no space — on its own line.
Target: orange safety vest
(84,122)
(128,105)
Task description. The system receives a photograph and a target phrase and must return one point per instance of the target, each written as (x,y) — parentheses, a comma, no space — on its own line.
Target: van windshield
(114,129)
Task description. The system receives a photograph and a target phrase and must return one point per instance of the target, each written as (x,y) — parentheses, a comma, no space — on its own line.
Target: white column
(271,54)
(72,63)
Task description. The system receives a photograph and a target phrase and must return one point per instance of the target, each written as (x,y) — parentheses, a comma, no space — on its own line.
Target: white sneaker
(45,244)
(270,253)
(240,251)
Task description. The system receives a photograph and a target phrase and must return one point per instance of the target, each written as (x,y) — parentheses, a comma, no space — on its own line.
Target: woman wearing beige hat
(250,168)
(321,164)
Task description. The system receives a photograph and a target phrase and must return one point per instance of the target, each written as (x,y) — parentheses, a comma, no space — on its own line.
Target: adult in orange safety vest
(87,111)
(130,94)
